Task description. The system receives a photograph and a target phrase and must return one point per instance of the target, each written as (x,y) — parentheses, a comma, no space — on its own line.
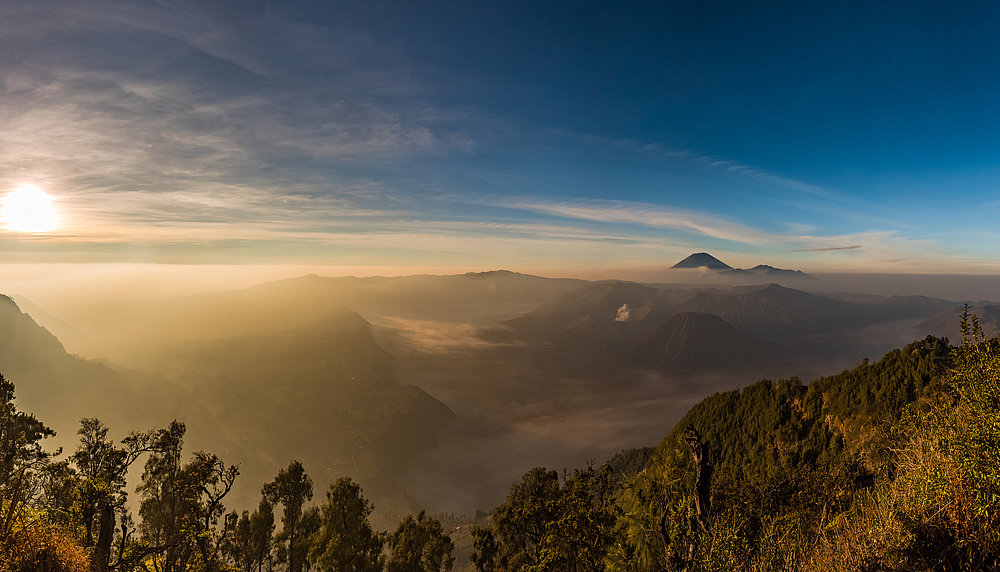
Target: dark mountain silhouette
(739,273)
(705,260)
(135,326)
(946,322)
(617,317)
(601,307)
(260,398)
(770,270)
(281,393)
(278,395)
(697,341)
(68,334)
(693,269)
(61,388)
(23,343)
(702,259)
(764,274)
(901,306)
(774,310)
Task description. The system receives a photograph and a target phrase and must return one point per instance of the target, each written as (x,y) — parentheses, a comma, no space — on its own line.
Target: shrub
(42,548)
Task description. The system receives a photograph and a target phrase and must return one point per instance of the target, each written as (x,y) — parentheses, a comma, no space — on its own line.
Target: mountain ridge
(261,398)
(691,340)
(702,260)
(736,276)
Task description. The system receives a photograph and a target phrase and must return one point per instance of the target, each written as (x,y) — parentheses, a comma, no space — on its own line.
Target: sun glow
(28,209)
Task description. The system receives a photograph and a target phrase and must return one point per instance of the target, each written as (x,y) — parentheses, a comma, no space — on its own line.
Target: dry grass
(42,548)
(926,519)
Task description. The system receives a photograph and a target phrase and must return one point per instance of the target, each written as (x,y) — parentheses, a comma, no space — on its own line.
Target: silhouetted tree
(309,524)
(181,508)
(583,525)
(420,545)
(292,487)
(103,470)
(519,524)
(165,522)
(345,541)
(59,488)
(20,455)
(544,526)
(251,542)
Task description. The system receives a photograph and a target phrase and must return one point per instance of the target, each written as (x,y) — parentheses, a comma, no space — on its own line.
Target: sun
(28,209)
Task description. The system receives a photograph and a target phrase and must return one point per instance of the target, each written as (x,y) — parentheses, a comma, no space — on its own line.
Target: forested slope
(891,465)
(780,426)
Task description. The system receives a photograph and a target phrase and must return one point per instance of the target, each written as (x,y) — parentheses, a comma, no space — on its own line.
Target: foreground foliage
(73,515)
(893,465)
(548,526)
(941,511)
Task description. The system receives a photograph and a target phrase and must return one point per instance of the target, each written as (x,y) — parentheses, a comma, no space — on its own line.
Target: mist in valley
(434,392)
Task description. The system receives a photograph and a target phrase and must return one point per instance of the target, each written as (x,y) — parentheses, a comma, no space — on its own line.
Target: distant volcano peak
(699,259)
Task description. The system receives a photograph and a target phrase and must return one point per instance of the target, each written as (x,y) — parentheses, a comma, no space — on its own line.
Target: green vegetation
(345,541)
(629,462)
(941,511)
(420,545)
(893,465)
(548,526)
(74,516)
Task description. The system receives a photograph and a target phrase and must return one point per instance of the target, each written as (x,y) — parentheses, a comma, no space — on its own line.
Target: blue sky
(847,136)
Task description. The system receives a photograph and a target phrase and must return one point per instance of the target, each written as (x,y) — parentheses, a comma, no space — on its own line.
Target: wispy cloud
(648,215)
(706,161)
(852,247)
(109,125)
(878,245)
(198,100)
(215,132)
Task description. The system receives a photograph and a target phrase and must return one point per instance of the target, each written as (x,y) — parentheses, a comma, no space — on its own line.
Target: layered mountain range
(322,393)
(433,389)
(947,323)
(762,322)
(711,269)
(696,341)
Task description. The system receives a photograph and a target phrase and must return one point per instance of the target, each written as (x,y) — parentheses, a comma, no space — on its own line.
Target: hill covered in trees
(892,465)
(74,515)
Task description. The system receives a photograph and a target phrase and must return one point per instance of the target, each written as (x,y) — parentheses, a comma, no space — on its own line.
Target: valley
(437,392)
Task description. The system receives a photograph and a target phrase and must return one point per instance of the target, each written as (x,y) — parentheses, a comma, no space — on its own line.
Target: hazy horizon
(552,136)
(552,401)
(58,287)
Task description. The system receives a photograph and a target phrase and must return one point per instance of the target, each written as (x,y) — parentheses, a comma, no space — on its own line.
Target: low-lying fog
(523,406)
(517,403)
